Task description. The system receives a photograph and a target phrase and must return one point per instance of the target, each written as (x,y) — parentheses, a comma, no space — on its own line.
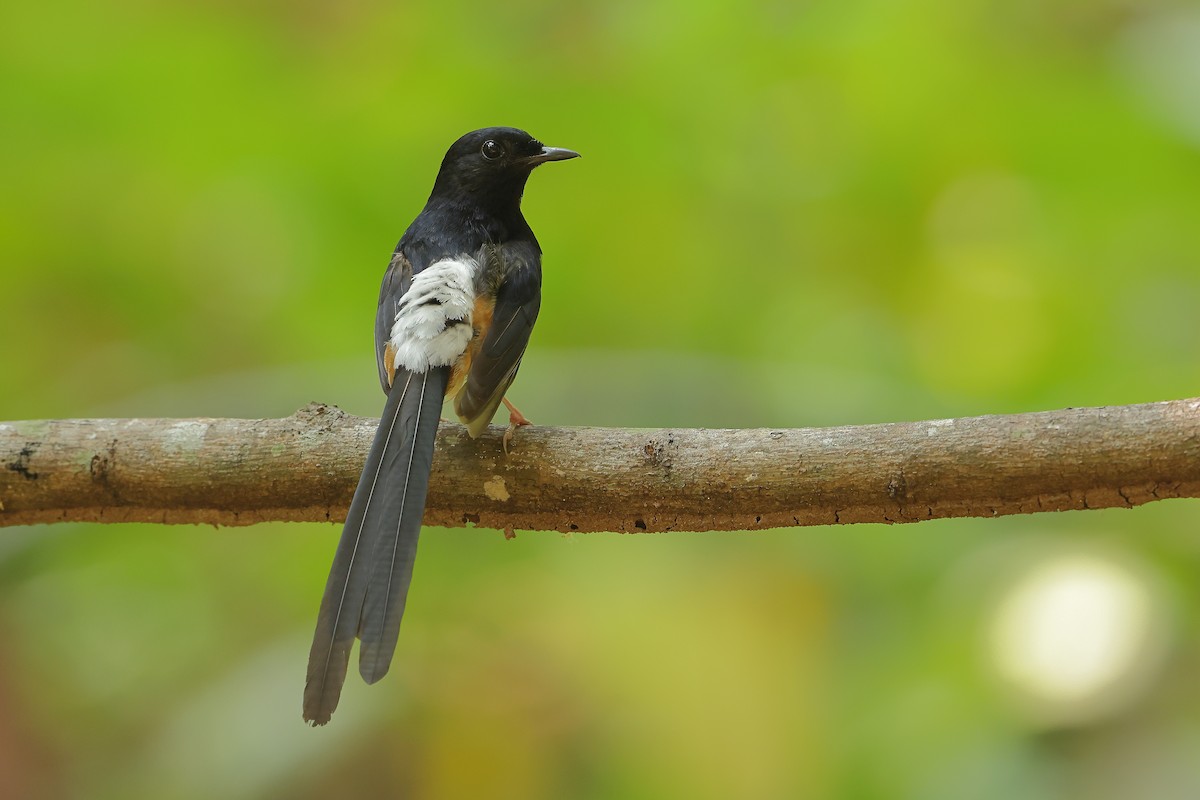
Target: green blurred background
(787,214)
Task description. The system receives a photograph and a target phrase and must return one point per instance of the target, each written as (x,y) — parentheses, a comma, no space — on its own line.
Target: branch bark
(304,467)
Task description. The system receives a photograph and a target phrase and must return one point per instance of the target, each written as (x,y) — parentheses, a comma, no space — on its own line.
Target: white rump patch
(433,319)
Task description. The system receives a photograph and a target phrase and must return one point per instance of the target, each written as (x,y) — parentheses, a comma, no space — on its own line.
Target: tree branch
(304,467)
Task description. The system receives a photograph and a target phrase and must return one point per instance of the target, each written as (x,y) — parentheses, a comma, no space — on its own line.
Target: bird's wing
(396,281)
(495,364)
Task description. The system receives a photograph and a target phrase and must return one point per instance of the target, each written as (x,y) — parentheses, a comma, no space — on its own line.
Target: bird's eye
(491,150)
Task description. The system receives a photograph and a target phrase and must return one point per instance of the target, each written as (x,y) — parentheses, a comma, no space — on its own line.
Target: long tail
(372,568)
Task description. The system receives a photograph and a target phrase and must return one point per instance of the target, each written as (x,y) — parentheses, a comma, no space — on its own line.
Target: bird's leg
(515,420)
(515,417)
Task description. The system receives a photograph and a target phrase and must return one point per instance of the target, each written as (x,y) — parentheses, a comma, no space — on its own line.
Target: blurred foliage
(787,214)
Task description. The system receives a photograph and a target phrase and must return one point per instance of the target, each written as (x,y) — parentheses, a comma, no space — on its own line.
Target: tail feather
(393,559)
(372,567)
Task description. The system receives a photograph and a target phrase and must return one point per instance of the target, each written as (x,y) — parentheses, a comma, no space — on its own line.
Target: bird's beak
(552,154)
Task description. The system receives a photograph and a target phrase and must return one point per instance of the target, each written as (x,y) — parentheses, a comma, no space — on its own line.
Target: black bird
(456,307)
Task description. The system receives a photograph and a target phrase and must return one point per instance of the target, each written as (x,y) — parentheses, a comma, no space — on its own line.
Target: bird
(456,306)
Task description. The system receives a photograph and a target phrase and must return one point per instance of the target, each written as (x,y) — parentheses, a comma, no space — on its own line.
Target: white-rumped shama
(456,307)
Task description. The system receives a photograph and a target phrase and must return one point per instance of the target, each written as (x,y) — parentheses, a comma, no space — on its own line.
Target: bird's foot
(515,420)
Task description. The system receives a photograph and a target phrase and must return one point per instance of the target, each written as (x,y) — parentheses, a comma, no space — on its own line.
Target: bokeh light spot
(1075,637)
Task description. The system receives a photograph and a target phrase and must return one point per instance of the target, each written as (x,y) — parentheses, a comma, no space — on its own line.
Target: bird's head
(491,165)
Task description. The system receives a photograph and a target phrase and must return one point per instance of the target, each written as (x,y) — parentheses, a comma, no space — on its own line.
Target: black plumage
(484,272)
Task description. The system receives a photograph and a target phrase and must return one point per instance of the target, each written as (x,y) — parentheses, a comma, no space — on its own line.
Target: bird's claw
(515,420)
(508,433)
